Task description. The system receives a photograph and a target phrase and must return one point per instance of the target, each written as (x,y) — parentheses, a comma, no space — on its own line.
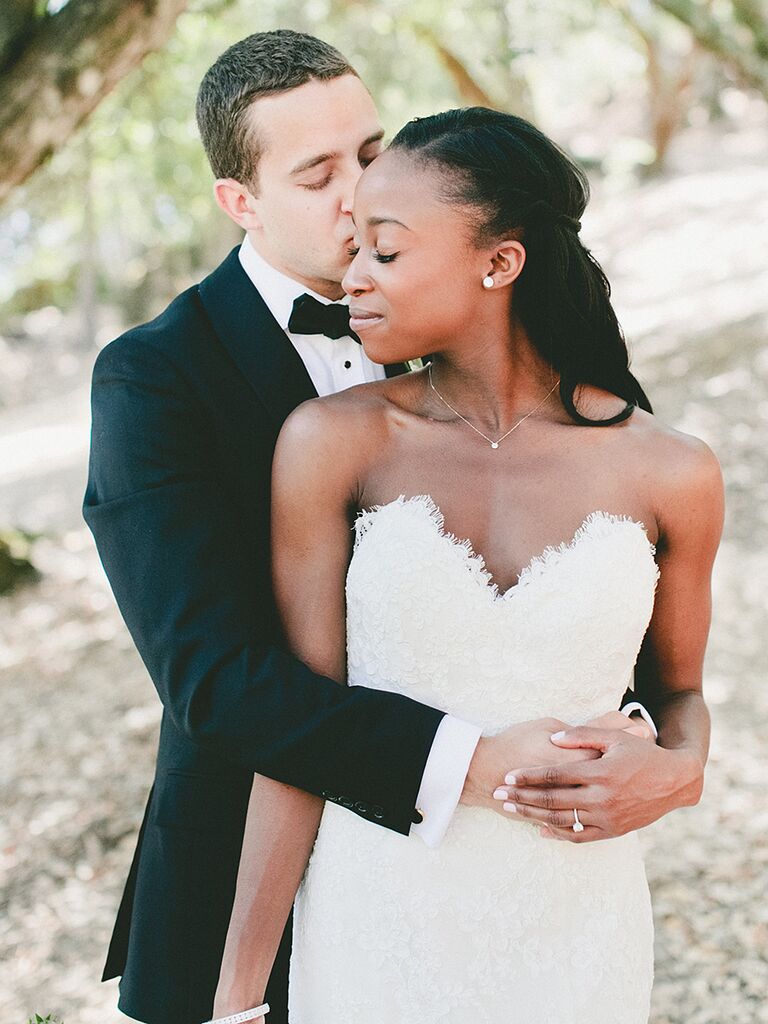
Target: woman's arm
(634,783)
(671,661)
(312,499)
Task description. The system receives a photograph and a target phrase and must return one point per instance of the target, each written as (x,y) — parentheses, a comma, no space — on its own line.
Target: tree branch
(709,33)
(752,16)
(17,21)
(469,89)
(70,63)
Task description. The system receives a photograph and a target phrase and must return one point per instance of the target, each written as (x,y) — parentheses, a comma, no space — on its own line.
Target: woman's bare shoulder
(685,480)
(673,454)
(349,413)
(680,459)
(334,439)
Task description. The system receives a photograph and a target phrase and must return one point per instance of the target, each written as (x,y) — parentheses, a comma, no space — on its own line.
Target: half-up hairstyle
(521,182)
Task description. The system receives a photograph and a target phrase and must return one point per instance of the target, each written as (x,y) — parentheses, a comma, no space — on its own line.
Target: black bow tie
(309,316)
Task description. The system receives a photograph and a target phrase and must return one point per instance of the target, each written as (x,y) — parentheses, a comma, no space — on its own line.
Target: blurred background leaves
(121,214)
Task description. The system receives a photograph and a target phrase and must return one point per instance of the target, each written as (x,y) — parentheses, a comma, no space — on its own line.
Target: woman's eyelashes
(380,257)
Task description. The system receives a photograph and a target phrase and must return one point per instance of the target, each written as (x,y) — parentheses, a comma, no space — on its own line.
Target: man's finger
(641,729)
(584,736)
(555,776)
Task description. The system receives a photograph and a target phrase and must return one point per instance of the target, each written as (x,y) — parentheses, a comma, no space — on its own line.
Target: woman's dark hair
(519,180)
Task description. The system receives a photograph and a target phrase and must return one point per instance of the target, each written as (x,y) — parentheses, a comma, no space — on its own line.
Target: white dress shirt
(334,364)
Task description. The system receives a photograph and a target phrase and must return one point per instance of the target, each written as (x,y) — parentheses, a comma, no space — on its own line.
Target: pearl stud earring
(488,282)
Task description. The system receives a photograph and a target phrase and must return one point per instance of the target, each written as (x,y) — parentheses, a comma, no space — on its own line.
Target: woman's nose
(354,281)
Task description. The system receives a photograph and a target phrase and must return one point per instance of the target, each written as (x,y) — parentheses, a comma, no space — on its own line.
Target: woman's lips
(363,319)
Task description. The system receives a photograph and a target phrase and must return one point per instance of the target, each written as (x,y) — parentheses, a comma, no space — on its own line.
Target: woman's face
(416,280)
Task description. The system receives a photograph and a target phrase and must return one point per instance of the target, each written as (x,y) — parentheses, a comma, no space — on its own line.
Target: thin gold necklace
(491,442)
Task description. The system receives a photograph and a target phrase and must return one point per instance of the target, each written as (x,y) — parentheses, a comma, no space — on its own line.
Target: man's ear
(237,201)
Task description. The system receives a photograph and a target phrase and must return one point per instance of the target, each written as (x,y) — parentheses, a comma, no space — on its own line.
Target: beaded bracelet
(239,1018)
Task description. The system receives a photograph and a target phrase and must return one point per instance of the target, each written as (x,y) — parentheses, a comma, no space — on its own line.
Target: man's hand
(524,743)
(631,785)
(617,720)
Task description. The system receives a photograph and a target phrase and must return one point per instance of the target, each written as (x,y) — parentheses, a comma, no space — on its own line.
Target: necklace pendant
(494,444)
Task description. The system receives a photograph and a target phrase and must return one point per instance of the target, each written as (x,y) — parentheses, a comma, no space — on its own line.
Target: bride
(498,533)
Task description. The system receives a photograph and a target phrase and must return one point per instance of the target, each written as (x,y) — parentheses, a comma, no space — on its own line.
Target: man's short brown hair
(262,64)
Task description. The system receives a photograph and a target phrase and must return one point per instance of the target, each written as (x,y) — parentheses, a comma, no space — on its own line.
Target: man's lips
(361,319)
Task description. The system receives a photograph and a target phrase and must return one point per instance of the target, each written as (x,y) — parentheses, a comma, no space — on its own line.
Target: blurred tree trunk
(471,93)
(17,17)
(741,44)
(55,69)
(87,284)
(669,77)
(468,88)
(668,101)
(519,98)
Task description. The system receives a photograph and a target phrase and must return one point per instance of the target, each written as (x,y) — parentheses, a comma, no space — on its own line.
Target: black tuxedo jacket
(186,412)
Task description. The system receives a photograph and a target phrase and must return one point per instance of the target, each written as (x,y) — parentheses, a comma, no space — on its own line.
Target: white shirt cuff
(444,775)
(635,705)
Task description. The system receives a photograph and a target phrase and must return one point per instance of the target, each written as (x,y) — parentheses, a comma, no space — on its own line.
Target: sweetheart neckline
(550,555)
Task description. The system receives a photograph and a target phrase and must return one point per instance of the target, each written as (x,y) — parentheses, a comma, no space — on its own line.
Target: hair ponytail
(518,179)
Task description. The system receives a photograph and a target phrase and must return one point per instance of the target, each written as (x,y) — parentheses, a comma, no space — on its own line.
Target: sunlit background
(665,104)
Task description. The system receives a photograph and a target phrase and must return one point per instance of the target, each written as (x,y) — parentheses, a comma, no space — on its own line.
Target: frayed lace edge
(476,562)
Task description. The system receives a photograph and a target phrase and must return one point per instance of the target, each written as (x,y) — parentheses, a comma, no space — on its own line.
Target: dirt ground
(686,255)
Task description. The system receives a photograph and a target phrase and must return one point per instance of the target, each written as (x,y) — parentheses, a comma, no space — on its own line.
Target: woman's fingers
(564,835)
(548,799)
(559,819)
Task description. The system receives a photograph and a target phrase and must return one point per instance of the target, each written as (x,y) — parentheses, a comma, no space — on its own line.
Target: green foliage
(16,567)
(50,1019)
(568,64)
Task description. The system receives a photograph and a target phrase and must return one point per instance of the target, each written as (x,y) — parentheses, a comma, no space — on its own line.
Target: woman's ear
(237,202)
(507,261)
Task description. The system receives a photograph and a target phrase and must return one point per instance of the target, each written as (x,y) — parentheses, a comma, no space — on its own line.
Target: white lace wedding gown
(496,925)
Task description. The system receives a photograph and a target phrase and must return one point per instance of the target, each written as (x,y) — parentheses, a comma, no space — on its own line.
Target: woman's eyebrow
(374,222)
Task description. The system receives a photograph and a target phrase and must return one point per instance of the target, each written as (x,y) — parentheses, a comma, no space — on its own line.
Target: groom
(186,412)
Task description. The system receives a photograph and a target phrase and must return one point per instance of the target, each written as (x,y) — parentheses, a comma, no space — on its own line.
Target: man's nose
(348,191)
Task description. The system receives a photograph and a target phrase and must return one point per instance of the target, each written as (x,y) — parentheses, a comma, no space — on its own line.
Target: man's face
(316,140)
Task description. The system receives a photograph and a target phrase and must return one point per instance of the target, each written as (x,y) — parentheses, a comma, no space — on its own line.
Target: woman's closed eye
(380,257)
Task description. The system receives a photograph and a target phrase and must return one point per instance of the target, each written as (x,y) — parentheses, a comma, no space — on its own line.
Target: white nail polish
(511,780)
(510,807)
(500,794)
(557,735)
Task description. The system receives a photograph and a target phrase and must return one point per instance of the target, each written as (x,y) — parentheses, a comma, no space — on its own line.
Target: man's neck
(327,289)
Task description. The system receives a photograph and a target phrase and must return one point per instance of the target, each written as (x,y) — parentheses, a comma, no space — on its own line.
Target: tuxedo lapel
(254,339)
(256,342)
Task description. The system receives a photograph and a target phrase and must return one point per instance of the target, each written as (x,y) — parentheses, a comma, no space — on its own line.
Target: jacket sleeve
(203,621)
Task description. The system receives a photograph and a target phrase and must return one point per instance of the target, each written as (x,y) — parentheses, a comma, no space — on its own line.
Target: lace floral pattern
(496,925)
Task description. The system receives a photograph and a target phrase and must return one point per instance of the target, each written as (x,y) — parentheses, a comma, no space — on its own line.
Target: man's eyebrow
(313,161)
(374,222)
